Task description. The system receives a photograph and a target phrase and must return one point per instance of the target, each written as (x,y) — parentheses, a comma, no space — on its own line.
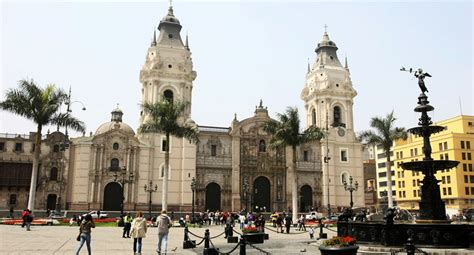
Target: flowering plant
(340,241)
(249,229)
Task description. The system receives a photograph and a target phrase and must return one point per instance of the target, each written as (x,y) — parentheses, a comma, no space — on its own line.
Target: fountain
(431,229)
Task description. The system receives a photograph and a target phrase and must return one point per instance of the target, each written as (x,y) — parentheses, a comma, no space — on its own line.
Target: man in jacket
(164,223)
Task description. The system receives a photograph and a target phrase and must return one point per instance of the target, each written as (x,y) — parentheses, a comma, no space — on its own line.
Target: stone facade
(234,167)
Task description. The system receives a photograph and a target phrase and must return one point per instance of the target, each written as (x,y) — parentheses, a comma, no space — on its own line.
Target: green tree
(42,106)
(384,134)
(286,132)
(165,117)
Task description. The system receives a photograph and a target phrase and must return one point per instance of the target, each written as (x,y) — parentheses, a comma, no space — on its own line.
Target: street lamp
(122,182)
(64,145)
(246,189)
(193,189)
(150,189)
(351,188)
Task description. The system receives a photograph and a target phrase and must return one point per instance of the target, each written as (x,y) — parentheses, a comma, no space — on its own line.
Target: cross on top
(171,3)
(325,27)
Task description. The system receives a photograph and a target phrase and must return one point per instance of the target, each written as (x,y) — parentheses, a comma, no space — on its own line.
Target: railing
(23,136)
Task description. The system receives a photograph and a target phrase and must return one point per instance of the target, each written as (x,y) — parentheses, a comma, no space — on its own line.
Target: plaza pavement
(108,240)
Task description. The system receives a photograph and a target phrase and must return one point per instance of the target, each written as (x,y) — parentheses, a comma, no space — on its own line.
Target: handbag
(79,237)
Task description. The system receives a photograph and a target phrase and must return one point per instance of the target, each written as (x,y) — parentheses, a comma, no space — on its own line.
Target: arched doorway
(51,202)
(306,198)
(112,197)
(213,197)
(261,194)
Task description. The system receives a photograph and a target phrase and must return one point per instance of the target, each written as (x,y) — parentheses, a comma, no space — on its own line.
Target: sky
(243,51)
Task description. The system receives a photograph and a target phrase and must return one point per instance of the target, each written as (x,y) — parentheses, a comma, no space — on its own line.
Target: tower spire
(187,42)
(153,41)
(345,63)
(309,68)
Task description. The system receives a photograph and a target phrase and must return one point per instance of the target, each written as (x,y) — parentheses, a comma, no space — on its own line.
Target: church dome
(169,18)
(115,124)
(326,43)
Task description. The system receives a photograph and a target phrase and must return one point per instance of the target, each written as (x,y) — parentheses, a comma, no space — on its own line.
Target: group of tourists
(135,228)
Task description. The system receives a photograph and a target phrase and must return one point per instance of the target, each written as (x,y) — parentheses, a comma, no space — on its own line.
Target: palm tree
(286,132)
(384,134)
(42,106)
(164,117)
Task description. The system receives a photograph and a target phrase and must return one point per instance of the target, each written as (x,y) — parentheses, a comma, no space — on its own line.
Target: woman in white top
(138,232)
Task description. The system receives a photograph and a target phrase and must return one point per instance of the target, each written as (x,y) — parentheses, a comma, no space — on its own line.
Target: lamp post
(246,188)
(65,145)
(351,188)
(193,189)
(150,189)
(123,180)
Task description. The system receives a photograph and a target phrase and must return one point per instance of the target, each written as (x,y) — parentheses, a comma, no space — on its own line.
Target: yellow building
(457,184)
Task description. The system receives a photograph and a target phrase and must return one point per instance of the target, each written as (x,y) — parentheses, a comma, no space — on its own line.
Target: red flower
(340,241)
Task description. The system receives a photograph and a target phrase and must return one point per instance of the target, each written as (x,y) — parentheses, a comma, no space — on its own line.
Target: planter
(348,250)
(253,237)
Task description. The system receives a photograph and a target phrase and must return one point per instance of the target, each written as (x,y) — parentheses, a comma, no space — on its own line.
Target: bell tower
(168,70)
(168,75)
(328,98)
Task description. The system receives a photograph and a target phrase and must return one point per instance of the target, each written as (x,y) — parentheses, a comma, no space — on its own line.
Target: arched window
(114,164)
(168,95)
(115,146)
(337,116)
(261,146)
(313,117)
(53,175)
(344,177)
(56,148)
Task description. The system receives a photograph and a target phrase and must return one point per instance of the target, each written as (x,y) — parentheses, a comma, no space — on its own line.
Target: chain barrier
(235,231)
(303,232)
(195,234)
(417,251)
(217,235)
(257,248)
(225,253)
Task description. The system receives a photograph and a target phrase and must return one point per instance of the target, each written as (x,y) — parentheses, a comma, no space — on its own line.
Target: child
(311,233)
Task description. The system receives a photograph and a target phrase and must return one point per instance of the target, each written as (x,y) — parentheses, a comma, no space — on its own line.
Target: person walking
(274,218)
(11,212)
(29,219)
(85,234)
(24,213)
(311,233)
(301,222)
(288,222)
(127,221)
(138,232)
(164,223)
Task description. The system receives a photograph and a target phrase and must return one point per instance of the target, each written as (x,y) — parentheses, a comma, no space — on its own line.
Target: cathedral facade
(234,168)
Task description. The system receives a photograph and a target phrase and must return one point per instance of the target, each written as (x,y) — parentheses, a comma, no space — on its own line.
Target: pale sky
(243,52)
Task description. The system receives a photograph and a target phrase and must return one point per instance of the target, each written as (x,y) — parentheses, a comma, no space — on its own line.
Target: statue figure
(345,215)
(361,216)
(389,215)
(421,79)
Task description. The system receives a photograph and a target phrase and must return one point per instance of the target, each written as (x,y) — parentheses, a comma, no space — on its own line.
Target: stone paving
(108,240)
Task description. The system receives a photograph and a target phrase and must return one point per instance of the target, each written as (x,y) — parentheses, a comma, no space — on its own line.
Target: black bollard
(206,239)
(242,247)
(187,243)
(321,234)
(410,247)
(186,236)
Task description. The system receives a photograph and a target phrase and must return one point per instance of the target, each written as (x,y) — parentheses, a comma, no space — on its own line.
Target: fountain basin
(439,235)
(430,165)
